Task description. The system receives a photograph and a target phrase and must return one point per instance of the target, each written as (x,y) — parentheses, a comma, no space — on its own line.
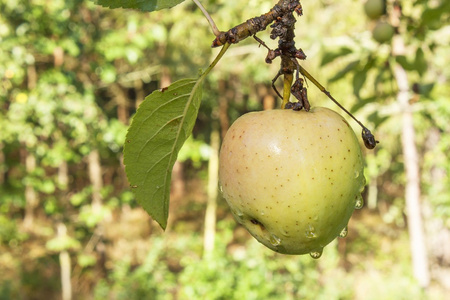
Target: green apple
(383,32)
(292,178)
(375,8)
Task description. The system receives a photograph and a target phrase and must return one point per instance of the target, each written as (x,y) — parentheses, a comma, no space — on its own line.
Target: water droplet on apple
(316,218)
(220,189)
(344,232)
(363,184)
(359,202)
(263,213)
(356,174)
(310,232)
(237,215)
(274,240)
(316,253)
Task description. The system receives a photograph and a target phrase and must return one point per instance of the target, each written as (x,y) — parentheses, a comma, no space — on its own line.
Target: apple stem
(368,138)
(288,78)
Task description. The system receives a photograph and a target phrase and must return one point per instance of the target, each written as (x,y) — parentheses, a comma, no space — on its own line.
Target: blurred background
(71,77)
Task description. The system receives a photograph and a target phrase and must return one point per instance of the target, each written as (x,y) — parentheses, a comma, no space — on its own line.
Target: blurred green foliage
(71,76)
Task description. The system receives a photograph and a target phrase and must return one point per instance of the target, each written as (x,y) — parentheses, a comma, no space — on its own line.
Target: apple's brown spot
(256,222)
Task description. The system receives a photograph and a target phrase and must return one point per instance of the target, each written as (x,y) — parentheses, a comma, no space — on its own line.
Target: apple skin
(375,8)
(292,178)
(383,32)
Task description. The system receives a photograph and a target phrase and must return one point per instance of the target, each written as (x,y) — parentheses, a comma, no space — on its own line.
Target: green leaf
(348,68)
(420,62)
(403,61)
(361,103)
(359,78)
(159,128)
(144,5)
(329,57)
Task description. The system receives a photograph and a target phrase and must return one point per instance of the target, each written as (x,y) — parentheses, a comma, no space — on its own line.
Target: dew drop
(310,232)
(359,202)
(356,173)
(274,240)
(363,180)
(220,188)
(363,184)
(344,232)
(263,213)
(237,215)
(316,253)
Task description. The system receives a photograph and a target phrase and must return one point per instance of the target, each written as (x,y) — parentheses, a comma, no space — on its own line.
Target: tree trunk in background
(2,163)
(65,266)
(31,198)
(213,179)
(412,191)
(96,179)
(119,95)
(140,95)
(63,175)
(417,238)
